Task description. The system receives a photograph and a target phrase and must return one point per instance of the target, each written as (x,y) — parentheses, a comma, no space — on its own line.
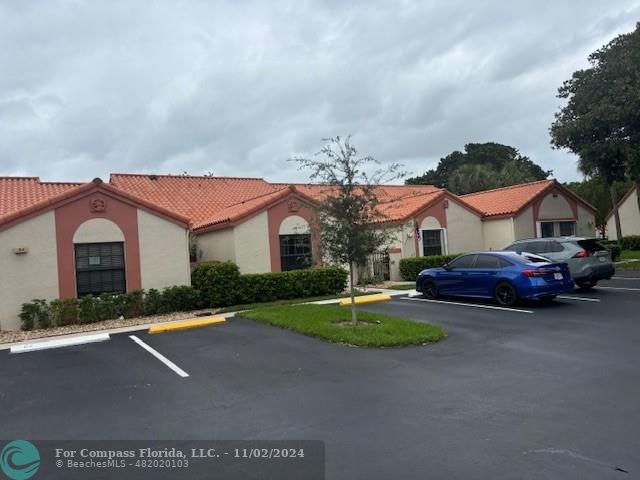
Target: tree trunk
(354,317)
(616,213)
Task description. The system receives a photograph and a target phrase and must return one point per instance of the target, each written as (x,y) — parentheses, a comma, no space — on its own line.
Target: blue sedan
(505,276)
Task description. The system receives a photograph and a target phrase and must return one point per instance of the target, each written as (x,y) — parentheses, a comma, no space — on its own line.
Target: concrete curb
(59,343)
(380,297)
(186,324)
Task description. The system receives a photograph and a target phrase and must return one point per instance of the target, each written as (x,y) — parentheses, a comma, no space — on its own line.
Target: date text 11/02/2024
(176,453)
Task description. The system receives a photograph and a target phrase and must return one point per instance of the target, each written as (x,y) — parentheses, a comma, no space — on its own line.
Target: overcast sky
(93,87)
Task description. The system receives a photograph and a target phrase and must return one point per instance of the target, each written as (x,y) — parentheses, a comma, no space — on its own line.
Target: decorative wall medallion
(98,205)
(293,206)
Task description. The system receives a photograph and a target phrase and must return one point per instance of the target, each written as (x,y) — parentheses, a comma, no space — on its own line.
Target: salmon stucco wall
(29,275)
(285,217)
(164,252)
(497,233)
(629,218)
(72,215)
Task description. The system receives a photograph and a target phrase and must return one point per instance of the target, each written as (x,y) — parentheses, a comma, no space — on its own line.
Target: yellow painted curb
(380,297)
(185,324)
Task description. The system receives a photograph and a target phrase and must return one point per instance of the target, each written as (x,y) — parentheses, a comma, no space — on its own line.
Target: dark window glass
(295,252)
(432,242)
(516,247)
(466,261)
(546,229)
(567,229)
(505,263)
(591,245)
(100,268)
(487,261)
(556,247)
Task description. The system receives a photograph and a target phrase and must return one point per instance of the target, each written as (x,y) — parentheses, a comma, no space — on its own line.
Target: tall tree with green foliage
(479,167)
(601,120)
(349,207)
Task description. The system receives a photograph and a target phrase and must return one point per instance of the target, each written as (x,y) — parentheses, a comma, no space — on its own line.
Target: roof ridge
(508,187)
(10,177)
(111,175)
(253,198)
(413,195)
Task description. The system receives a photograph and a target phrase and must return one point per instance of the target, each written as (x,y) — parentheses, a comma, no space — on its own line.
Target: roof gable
(84,189)
(511,200)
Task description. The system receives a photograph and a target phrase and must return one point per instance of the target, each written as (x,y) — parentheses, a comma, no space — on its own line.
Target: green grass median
(332,324)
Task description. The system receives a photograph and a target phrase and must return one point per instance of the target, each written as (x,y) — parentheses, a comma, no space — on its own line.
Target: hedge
(216,284)
(410,267)
(88,309)
(222,285)
(630,242)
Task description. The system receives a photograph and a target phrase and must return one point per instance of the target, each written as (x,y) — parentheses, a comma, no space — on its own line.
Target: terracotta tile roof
(507,200)
(18,193)
(59,193)
(204,200)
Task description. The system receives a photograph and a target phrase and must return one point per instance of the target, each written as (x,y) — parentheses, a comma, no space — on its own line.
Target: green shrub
(630,242)
(410,267)
(218,282)
(221,284)
(181,298)
(64,311)
(152,302)
(35,315)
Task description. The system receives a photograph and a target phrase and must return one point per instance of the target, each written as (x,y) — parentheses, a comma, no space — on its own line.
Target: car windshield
(591,245)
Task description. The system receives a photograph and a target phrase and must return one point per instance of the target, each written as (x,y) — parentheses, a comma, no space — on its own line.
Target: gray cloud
(236,88)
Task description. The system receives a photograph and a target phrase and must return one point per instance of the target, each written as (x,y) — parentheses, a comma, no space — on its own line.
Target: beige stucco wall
(464,230)
(294,225)
(164,252)
(629,218)
(218,245)
(497,233)
(523,225)
(96,230)
(586,223)
(30,275)
(252,244)
(430,223)
(554,208)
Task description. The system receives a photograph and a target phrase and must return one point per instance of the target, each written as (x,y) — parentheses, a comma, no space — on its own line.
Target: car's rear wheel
(430,290)
(587,285)
(506,294)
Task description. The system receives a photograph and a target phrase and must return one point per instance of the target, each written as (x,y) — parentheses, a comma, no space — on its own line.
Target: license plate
(558,276)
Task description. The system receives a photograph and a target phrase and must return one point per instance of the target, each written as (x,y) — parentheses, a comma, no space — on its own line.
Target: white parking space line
(580,299)
(473,305)
(625,278)
(160,357)
(620,288)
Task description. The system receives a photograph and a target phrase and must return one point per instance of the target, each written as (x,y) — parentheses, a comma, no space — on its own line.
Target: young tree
(348,212)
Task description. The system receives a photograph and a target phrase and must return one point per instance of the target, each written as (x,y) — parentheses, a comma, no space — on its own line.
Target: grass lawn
(633,265)
(291,301)
(403,286)
(627,254)
(332,324)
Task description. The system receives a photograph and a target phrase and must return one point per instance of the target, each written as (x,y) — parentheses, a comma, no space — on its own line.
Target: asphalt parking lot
(547,391)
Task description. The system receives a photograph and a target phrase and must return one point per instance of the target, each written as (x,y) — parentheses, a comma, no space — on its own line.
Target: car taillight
(581,254)
(537,273)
